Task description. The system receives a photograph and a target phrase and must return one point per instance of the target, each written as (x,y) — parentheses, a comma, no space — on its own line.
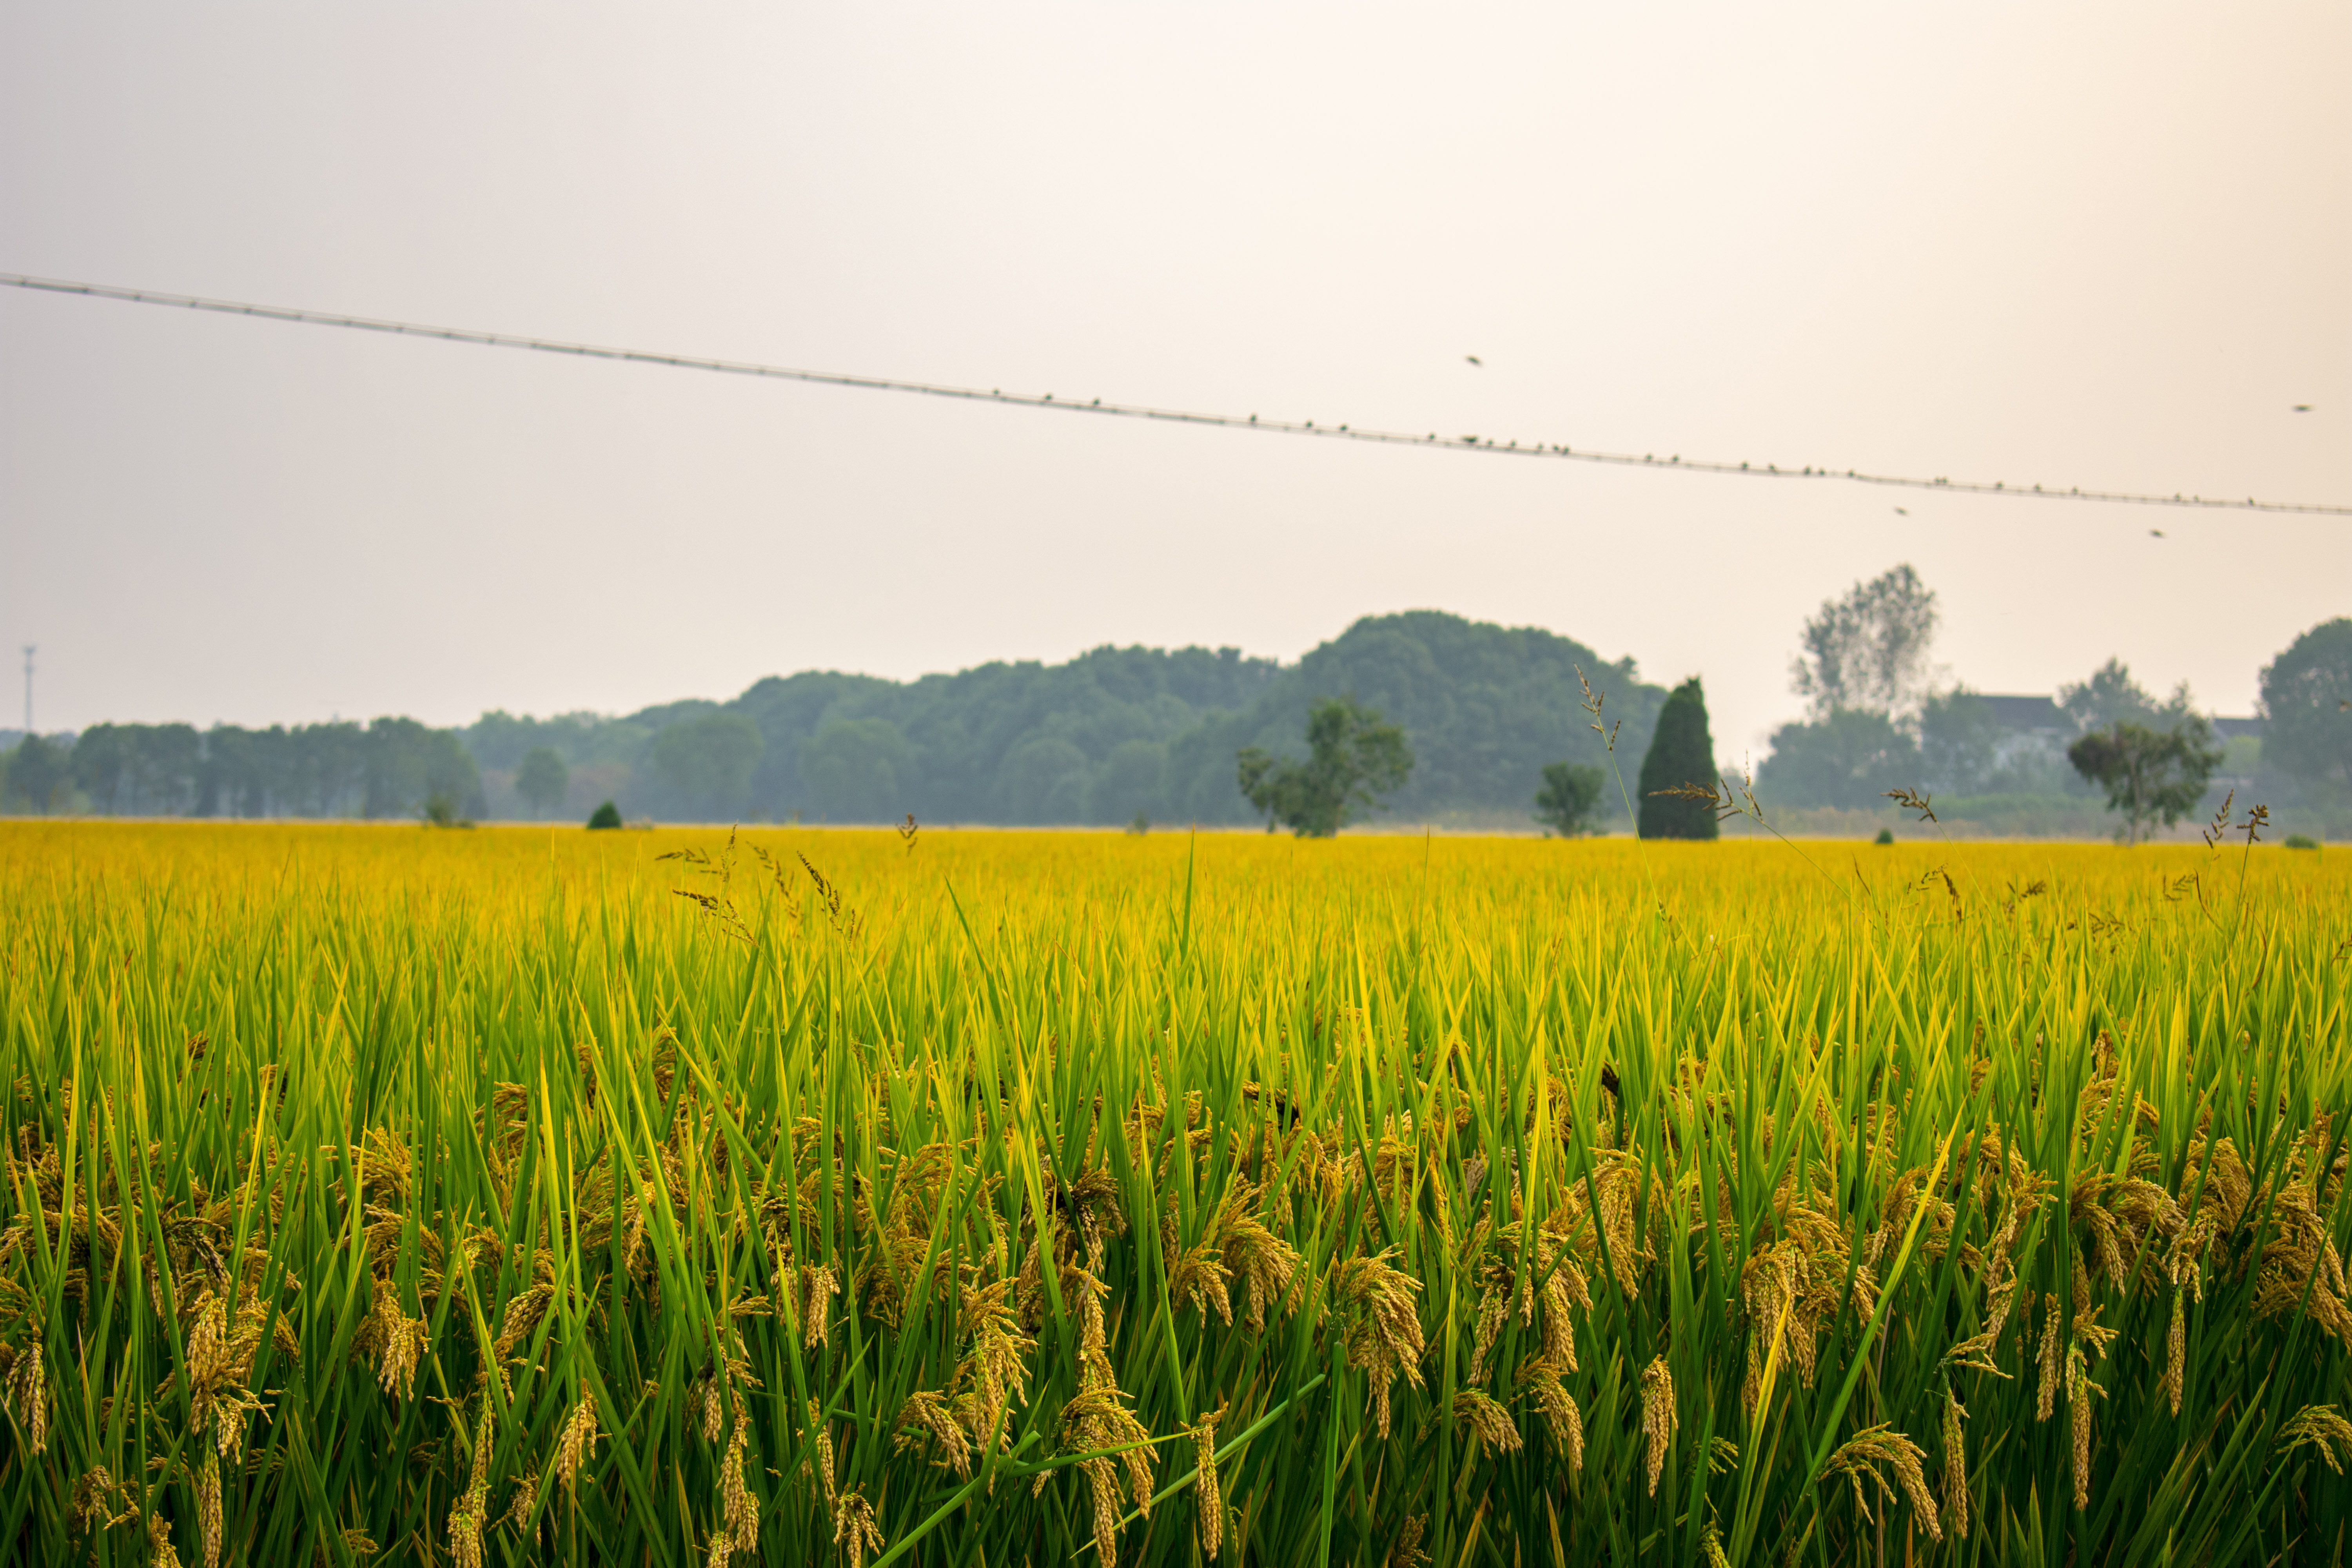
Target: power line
(1486,445)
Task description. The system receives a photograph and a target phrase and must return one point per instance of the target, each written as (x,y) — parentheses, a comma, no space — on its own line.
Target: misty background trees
(1880,718)
(1118,734)
(390,768)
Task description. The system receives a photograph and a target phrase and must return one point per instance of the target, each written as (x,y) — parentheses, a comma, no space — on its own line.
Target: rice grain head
(854,1530)
(1488,1421)
(2080,1392)
(208,1509)
(578,1442)
(1956,1469)
(1659,1418)
(1209,1503)
(162,1553)
(2320,1426)
(29,1397)
(2046,1400)
(1860,1459)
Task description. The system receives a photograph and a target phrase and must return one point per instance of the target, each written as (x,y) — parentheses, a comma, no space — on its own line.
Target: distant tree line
(1114,736)
(391,768)
(1109,737)
(1447,720)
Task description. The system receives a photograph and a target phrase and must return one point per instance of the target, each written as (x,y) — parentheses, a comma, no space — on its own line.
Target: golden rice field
(379,1194)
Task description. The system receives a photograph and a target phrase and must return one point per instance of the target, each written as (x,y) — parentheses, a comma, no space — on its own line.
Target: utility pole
(29,650)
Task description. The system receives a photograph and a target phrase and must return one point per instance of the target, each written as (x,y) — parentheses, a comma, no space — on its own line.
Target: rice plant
(377,1195)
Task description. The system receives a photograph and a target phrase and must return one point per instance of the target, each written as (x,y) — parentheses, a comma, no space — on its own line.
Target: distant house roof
(2028,713)
(2231,729)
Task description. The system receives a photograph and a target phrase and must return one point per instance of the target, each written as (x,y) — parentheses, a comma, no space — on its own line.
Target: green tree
(1569,803)
(1129,783)
(856,770)
(1959,740)
(1850,758)
(406,764)
(542,780)
(2111,696)
(1355,760)
(1044,781)
(705,764)
(38,775)
(102,755)
(2307,705)
(1870,648)
(1681,753)
(2150,775)
(604,817)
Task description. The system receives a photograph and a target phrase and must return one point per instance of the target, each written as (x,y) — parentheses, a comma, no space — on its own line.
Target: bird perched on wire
(1474,359)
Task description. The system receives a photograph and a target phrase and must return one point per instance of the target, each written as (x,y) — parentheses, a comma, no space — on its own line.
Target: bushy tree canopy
(2307,705)
(2149,775)
(1869,649)
(542,780)
(1850,758)
(1569,804)
(1355,760)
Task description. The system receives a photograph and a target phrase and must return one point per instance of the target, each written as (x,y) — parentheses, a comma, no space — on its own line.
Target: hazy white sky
(2093,245)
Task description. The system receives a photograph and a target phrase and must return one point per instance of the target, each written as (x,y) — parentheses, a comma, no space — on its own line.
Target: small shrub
(441,810)
(605,815)
(1886,836)
(2301,841)
(1569,802)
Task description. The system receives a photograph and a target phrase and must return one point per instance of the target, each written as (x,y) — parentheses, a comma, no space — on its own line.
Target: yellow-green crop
(410,1197)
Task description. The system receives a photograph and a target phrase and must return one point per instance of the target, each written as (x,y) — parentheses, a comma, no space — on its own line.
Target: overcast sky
(2083,245)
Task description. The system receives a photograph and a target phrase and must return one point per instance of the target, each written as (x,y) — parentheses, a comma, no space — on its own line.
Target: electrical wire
(1481,444)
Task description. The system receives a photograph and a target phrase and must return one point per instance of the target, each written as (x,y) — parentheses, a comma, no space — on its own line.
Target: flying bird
(2156,533)
(1474,359)
(1902,512)
(2302,408)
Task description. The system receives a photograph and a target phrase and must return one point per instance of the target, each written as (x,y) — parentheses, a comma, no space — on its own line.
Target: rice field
(387,1195)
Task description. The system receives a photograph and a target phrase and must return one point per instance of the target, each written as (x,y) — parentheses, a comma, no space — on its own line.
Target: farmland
(395,1195)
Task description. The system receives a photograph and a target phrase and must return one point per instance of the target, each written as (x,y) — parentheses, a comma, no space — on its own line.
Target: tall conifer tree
(1681,753)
